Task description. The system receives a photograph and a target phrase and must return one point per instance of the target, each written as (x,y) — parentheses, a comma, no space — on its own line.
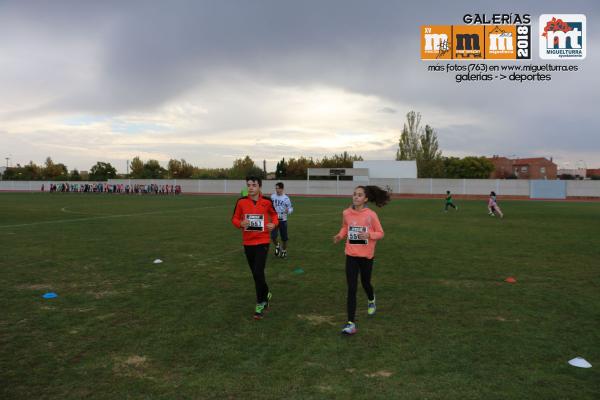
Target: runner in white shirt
(283,207)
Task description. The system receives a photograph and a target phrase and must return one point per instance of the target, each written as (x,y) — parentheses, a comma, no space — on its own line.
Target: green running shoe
(371,307)
(259,311)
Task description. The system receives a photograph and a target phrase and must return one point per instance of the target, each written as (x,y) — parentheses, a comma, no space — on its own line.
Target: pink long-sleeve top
(355,222)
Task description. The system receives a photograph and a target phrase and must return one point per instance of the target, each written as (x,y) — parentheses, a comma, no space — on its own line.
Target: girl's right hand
(336,239)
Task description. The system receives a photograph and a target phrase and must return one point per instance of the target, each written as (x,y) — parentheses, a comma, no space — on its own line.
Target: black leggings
(449,205)
(354,266)
(257,259)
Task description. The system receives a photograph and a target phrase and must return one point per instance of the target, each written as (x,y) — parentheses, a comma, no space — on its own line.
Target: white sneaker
(349,328)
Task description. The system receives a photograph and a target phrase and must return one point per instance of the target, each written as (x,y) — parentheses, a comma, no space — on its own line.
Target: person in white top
(283,207)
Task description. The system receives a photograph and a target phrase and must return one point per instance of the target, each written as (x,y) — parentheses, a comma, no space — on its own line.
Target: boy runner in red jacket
(255,215)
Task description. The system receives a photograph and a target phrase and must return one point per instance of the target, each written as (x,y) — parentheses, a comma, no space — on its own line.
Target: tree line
(416,143)
(292,168)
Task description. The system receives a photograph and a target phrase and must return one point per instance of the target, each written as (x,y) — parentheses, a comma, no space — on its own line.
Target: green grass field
(447,327)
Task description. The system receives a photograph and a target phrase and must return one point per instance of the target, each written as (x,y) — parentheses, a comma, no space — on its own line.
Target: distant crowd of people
(120,188)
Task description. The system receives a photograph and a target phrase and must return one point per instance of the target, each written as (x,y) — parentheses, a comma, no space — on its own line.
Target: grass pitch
(447,326)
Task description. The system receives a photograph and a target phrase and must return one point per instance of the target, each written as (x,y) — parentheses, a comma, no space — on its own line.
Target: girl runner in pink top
(361,227)
(493,208)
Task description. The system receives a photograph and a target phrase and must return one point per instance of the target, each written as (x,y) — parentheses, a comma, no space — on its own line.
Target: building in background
(386,169)
(523,168)
(572,173)
(592,172)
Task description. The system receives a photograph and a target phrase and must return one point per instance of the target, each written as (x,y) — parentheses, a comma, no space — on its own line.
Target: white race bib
(353,232)
(256,222)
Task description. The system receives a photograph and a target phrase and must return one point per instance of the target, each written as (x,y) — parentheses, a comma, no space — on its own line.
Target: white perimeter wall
(508,187)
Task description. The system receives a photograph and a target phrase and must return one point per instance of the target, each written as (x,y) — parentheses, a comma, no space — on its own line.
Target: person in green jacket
(449,202)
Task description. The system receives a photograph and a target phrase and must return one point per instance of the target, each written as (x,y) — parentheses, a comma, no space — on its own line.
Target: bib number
(256,222)
(353,232)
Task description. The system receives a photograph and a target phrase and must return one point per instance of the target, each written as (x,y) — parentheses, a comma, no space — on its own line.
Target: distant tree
(297,168)
(74,175)
(102,171)
(468,167)
(243,167)
(153,170)
(210,173)
(187,170)
(136,168)
(281,169)
(420,144)
(408,147)
(54,171)
(179,169)
(477,167)
(429,157)
(173,168)
(343,160)
(16,173)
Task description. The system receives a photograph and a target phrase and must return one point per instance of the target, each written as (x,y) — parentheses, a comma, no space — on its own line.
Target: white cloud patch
(214,123)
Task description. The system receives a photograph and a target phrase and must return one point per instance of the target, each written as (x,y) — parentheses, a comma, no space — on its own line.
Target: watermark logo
(475,42)
(436,42)
(562,36)
(508,42)
(469,42)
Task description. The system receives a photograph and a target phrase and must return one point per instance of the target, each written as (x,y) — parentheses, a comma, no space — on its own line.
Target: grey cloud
(147,53)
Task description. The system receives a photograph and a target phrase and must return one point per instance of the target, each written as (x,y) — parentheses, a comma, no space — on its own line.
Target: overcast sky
(212,81)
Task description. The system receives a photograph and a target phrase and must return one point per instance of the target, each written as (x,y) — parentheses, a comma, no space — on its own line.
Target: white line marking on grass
(109,216)
(66,210)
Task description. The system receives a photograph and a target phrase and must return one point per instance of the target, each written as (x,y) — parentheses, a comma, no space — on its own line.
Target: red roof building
(592,172)
(523,168)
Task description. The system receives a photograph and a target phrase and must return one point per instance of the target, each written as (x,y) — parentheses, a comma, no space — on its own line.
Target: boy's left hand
(270,226)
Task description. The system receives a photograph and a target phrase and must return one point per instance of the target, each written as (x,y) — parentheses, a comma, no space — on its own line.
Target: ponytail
(376,195)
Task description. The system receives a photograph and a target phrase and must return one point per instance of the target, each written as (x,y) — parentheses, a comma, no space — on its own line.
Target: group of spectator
(112,188)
